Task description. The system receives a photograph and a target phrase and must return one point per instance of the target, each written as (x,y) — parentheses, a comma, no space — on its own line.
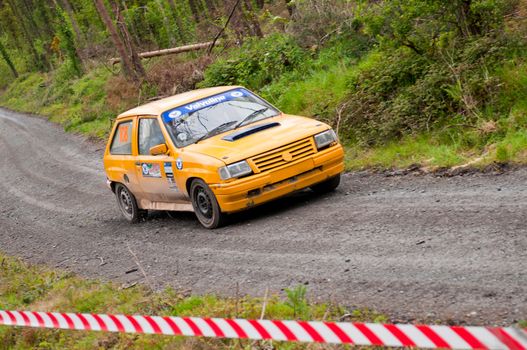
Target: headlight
(325,138)
(235,170)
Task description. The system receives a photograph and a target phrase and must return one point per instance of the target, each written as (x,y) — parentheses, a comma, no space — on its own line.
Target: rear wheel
(128,204)
(327,186)
(205,205)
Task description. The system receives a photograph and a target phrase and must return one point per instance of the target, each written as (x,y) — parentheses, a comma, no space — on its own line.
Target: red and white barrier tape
(394,335)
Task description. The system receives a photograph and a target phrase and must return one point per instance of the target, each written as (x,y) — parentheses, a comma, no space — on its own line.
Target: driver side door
(155,173)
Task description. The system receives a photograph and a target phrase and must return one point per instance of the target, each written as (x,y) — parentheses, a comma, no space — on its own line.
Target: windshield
(212,115)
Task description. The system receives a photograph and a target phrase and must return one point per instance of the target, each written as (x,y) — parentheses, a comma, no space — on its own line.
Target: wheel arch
(189,181)
(113,184)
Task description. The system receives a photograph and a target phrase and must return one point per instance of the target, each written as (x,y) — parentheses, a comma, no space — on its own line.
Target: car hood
(289,129)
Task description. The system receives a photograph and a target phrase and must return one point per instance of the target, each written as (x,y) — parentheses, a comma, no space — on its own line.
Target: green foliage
(38,288)
(7,59)
(426,150)
(68,42)
(256,63)
(319,85)
(296,300)
(502,154)
(425,26)
(79,104)
(406,93)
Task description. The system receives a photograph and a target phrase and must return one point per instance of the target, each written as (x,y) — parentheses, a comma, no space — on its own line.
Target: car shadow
(275,207)
(279,206)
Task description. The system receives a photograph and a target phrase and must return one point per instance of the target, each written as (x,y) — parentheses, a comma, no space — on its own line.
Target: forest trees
(132,66)
(7,59)
(44,35)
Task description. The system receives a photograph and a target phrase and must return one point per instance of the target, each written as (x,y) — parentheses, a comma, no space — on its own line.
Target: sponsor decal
(195,106)
(174,114)
(168,169)
(179,163)
(236,94)
(151,170)
(170,176)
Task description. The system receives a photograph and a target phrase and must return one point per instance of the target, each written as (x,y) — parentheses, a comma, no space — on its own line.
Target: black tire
(128,205)
(327,185)
(206,205)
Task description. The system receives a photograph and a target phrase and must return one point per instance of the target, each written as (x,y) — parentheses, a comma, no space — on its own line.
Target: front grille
(275,158)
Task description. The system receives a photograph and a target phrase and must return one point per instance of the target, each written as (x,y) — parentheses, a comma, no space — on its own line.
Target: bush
(257,63)
(175,75)
(407,93)
(316,21)
(317,88)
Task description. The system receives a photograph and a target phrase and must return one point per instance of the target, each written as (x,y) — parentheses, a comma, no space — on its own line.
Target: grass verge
(37,288)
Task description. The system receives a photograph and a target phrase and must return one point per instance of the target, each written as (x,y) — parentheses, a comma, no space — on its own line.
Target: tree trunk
(133,28)
(211,4)
(466,23)
(71,14)
(128,68)
(194,9)
(125,35)
(7,59)
(11,29)
(290,7)
(38,59)
(170,51)
(72,49)
(251,17)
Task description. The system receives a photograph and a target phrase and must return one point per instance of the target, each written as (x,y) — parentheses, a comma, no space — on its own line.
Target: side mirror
(159,150)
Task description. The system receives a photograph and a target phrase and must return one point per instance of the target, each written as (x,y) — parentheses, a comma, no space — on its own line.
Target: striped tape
(393,335)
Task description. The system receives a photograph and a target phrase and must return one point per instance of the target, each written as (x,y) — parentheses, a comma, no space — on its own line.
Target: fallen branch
(171,51)
(264,305)
(136,260)
(340,109)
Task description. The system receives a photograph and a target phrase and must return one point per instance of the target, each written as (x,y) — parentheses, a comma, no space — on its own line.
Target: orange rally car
(216,151)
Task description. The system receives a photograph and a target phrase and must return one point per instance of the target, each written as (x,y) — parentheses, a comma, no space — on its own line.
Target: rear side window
(150,135)
(122,139)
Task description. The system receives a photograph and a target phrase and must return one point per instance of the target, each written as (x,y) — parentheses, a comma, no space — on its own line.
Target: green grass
(421,150)
(433,152)
(79,104)
(319,91)
(25,287)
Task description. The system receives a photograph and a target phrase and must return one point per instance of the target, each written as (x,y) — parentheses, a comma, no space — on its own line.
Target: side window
(122,139)
(150,135)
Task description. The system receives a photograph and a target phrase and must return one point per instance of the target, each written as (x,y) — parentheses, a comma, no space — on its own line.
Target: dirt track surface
(415,247)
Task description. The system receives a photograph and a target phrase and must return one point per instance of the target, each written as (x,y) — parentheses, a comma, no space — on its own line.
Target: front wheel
(205,205)
(128,204)
(327,185)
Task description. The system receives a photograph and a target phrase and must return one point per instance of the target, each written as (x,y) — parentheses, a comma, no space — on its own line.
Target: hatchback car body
(216,151)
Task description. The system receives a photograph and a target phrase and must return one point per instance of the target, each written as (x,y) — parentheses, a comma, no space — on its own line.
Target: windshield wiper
(250,116)
(215,130)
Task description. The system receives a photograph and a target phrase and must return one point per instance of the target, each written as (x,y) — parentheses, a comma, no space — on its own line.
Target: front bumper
(260,188)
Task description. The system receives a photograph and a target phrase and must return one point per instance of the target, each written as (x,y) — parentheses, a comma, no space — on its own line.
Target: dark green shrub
(257,63)
(408,93)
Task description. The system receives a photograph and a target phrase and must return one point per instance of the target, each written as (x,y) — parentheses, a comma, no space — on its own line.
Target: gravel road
(414,247)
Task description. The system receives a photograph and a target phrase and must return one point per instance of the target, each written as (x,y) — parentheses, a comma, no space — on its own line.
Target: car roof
(165,104)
